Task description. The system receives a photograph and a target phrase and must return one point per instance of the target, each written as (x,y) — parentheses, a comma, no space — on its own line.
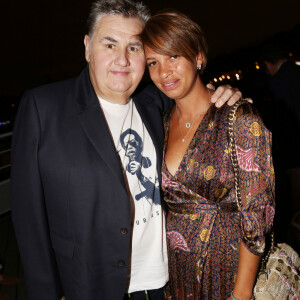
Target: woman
(214,250)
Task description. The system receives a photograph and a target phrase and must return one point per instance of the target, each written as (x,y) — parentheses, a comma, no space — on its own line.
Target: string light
(4,123)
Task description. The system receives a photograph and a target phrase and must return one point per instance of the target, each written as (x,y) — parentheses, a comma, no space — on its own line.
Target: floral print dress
(204,226)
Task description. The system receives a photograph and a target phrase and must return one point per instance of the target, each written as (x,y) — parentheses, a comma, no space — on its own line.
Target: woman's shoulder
(247,115)
(246,118)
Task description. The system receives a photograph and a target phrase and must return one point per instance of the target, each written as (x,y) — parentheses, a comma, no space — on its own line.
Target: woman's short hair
(171,32)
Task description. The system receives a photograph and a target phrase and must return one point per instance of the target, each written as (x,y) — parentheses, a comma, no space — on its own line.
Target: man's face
(116,57)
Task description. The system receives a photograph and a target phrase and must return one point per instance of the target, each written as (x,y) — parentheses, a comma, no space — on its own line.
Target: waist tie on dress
(198,204)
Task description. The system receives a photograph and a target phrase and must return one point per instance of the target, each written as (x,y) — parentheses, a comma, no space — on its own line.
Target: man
(82,232)
(285,94)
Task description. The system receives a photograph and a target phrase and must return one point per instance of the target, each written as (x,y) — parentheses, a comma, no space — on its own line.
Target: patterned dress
(204,227)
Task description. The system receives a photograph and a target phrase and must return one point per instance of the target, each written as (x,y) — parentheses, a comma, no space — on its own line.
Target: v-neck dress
(204,226)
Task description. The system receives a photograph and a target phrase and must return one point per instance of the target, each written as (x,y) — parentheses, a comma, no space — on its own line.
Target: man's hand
(225,93)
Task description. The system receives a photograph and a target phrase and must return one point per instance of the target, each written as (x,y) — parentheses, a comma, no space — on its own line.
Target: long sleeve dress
(204,226)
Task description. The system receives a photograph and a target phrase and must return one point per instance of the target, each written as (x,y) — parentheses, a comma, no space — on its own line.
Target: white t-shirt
(149,262)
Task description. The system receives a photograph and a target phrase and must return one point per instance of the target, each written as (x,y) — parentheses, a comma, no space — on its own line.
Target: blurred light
(4,123)
(220,78)
(223,76)
(13,105)
(237,76)
(215,80)
(257,67)
(290,54)
(228,77)
(297,63)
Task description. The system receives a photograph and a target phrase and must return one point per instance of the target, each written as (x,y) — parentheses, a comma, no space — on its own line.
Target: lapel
(152,118)
(95,127)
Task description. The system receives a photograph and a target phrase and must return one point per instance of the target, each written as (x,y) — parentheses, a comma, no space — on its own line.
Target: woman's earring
(199,67)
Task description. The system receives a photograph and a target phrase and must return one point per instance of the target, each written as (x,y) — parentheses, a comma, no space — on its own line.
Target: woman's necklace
(190,124)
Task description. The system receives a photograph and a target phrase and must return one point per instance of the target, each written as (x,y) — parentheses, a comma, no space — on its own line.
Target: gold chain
(192,122)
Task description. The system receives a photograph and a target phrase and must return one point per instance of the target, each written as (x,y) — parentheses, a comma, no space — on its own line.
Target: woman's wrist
(236,296)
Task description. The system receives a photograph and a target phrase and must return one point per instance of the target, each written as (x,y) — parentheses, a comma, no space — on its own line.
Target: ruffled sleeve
(256,178)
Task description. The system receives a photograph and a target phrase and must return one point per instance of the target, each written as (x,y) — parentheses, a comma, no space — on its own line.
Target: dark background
(42,41)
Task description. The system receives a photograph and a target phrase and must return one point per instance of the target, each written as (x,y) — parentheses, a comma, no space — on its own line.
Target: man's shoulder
(56,88)
(286,80)
(288,70)
(49,89)
(67,95)
(150,94)
(78,87)
(148,91)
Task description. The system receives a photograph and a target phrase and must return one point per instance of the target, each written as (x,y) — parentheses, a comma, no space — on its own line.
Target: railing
(5,144)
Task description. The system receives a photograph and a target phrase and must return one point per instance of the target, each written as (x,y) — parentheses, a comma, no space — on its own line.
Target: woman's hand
(246,274)
(225,93)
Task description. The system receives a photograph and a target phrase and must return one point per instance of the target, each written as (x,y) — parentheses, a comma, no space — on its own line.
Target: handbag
(279,274)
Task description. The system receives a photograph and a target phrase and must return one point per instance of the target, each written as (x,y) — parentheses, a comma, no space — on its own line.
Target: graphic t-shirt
(149,264)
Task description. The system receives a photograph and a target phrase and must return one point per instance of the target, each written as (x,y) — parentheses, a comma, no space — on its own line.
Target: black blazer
(70,207)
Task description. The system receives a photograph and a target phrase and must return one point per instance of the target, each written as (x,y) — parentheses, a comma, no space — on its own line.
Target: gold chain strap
(232,149)
(234,160)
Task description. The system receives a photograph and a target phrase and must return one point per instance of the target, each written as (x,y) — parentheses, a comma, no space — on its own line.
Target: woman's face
(174,75)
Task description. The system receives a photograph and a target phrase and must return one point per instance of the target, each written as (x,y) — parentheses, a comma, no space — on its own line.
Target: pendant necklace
(190,124)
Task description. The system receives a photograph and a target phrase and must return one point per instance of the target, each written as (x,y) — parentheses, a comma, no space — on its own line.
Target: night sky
(42,41)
